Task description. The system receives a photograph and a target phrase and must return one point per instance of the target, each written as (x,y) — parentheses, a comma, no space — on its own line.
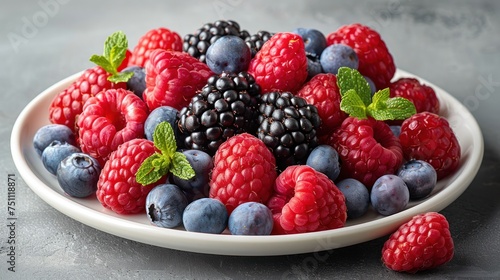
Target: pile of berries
(270,133)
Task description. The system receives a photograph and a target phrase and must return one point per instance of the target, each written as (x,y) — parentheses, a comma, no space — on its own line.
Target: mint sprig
(167,160)
(115,50)
(358,102)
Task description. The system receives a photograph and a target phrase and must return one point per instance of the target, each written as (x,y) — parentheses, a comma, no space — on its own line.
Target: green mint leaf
(348,79)
(353,105)
(181,167)
(401,108)
(103,62)
(385,108)
(120,77)
(151,170)
(164,139)
(115,50)
(379,100)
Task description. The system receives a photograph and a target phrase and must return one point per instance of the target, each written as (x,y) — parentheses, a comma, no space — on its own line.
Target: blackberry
(288,126)
(227,105)
(197,44)
(256,41)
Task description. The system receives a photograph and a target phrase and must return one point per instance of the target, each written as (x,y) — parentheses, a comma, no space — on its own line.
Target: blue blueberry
(48,133)
(165,205)
(251,218)
(207,215)
(196,187)
(158,115)
(389,195)
(356,195)
(325,159)
(336,56)
(314,40)
(228,54)
(55,153)
(420,178)
(396,129)
(78,175)
(136,84)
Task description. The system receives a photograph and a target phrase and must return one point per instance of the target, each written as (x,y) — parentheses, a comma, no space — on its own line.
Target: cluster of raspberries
(258,124)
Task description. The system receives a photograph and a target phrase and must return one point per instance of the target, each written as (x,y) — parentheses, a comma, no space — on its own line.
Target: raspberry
(281,64)
(173,78)
(423,97)
(244,171)
(117,188)
(322,91)
(422,243)
(429,137)
(68,104)
(109,119)
(375,60)
(305,200)
(159,38)
(367,148)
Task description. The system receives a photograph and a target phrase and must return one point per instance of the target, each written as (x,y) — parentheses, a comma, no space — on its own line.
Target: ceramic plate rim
(131,227)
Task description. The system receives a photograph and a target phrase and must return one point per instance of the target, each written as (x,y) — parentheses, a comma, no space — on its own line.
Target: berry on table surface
(206,215)
(281,64)
(423,96)
(172,78)
(357,197)
(55,153)
(109,119)
(429,137)
(420,178)
(325,159)
(305,200)
(165,205)
(389,195)
(251,218)
(229,54)
(244,170)
(336,56)
(314,40)
(197,186)
(158,38)
(423,243)
(78,175)
(46,134)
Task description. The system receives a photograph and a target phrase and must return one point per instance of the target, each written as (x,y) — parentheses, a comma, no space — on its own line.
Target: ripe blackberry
(257,40)
(197,44)
(227,105)
(288,126)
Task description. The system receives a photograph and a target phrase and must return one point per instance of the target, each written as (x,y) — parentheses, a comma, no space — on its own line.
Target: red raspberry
(68,104)
(117,188)
(244,170)
(159,38)
(281,64)
(375,60)
(109,119)
(429,137)
(305,200)
(322,91)
(368,149)
(173,78)
(423,97)
(422,243)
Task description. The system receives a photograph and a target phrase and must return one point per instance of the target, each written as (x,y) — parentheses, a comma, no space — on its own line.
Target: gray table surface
(454,44)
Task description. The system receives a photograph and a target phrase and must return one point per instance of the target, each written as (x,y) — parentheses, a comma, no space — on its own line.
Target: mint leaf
(401,108)
(353,105)
(115,50)
(348,79)
(151,170)
(120,77)
(385,108)
(181,167)
(164,138)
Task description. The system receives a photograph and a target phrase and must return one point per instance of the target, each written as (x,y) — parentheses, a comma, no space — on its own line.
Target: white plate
(136,227)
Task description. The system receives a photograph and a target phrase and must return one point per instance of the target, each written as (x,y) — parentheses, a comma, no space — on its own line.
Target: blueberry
(207,215)
(389,195)
(420,178)
(336,56)
(396,129)
(137,83)
(314,40)
(196,187)
(158,115)
(78,174)
(313,66)
(228,54)
(325,159)
(165,205)
(48,133)
(356,195)
(55,153)
(251,218)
